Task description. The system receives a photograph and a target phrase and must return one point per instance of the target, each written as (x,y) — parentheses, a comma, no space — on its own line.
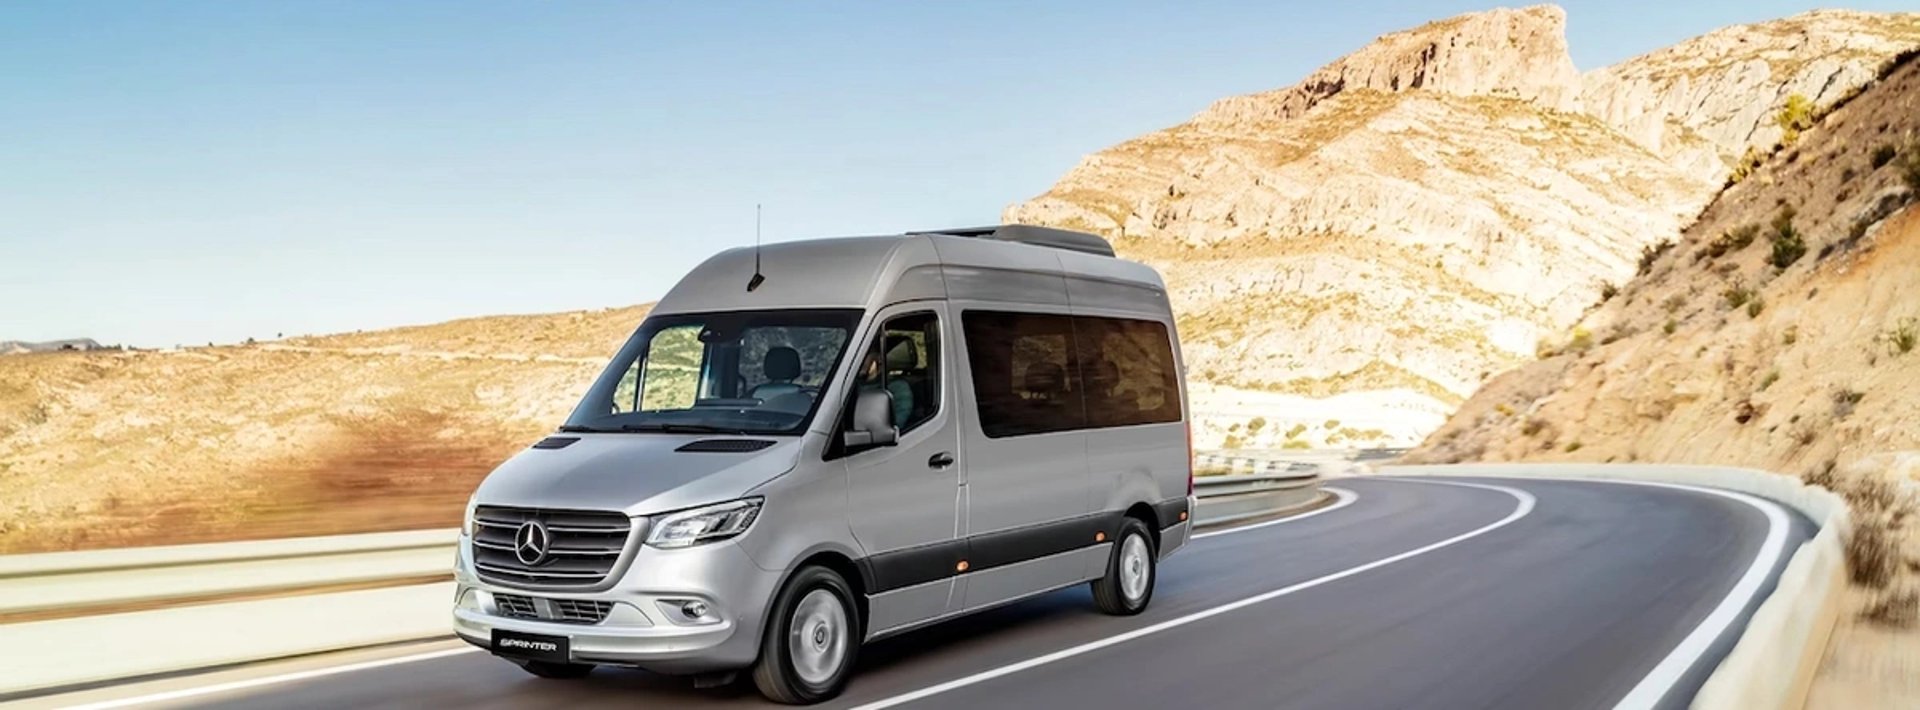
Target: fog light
(689,612)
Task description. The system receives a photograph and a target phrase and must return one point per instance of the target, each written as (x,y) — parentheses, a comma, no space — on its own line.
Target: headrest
(1046,378)
(1103,375)
(782,363)
(902,354)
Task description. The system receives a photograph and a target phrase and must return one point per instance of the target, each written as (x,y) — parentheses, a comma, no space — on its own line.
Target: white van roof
(1010,263)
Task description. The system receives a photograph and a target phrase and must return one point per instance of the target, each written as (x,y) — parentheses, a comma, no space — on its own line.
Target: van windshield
(746,372)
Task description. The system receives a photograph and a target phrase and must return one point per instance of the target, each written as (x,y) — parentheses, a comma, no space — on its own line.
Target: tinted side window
(1025,379)
(1129,371)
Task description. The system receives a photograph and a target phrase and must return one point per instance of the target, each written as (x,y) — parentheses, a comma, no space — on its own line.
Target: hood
(638,474)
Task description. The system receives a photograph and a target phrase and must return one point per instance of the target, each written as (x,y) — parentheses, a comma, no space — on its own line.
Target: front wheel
(812,640)
(1131,571)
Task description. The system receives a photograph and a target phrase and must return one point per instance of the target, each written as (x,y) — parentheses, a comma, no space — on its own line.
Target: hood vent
(555,442)
(726,446)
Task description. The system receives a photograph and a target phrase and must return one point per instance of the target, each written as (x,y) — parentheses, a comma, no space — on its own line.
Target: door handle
(940,460)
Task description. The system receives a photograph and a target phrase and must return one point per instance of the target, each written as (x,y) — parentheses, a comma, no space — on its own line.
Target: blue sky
(185,172)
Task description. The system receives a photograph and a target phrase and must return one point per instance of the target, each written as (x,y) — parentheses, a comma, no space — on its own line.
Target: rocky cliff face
(1417,215)
(1508,53)
(1704,102)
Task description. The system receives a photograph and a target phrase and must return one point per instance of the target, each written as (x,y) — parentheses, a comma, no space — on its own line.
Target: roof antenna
(757,279)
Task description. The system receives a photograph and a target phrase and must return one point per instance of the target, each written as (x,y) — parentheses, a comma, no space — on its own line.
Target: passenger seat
(781,367)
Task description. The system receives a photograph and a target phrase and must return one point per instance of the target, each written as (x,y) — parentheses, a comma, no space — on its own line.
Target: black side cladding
(930,563)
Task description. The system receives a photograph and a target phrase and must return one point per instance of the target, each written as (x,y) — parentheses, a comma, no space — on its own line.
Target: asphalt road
(1503,593)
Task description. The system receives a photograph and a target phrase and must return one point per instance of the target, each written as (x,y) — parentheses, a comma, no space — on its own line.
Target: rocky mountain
(1781,331)
(1705,102)
(1417,215)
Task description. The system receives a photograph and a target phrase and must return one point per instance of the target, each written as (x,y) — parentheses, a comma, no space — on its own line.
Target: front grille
(566,611)
(582,546)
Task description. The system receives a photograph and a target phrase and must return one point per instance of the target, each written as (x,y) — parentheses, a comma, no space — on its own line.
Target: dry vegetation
(380,430)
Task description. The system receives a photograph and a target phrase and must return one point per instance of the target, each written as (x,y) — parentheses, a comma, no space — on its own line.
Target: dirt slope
(381,430)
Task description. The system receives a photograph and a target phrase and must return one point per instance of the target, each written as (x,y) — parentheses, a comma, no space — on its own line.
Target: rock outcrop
(1704,102)
(1419,214)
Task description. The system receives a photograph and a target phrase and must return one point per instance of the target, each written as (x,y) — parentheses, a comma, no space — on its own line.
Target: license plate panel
(532,647)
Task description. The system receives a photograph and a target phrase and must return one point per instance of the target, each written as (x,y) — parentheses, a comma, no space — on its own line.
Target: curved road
(1412,592)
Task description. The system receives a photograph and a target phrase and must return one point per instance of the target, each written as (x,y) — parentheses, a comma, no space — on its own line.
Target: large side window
(1025,379)
(904,360)
(1129,371)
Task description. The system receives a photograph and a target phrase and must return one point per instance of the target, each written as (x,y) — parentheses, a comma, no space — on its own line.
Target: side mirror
(872,421)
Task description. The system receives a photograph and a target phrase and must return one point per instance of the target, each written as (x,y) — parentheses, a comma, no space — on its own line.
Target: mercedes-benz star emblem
(530,543)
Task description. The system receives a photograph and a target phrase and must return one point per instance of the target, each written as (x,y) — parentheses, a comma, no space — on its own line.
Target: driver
(870,375)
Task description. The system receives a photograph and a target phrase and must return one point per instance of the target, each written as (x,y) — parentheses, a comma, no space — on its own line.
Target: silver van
(816,444)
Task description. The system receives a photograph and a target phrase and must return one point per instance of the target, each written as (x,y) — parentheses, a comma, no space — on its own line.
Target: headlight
(701,525)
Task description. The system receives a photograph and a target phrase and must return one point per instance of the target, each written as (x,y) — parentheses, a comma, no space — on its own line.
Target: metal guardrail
(76,581)
(134,576)
(222,594)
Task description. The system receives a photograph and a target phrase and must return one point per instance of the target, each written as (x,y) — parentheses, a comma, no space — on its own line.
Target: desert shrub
(1608,290)
(1755,306)
(1331,424)
(1903,336)
(1871,557)
(1895,607)
(1672,325)
(1296,444)
(1732,240)
(1788,245)
(1256,424)
(1533,426)
(1674,302)
(1844,400)
(1795,116)
(1910,167)
(1803,433)
(1749,162)
(1771,377)
(1651,253)
(1573,446)
(1582,340)
(1882,154)
(1231,442)
(1847,175)
(1737,294)
(1790,336)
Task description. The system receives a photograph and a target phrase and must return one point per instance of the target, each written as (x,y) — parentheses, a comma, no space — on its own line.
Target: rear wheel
(557,671)
(1131,571)
(809,648)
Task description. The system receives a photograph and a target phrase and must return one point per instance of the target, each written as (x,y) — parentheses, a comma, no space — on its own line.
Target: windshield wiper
(577,429)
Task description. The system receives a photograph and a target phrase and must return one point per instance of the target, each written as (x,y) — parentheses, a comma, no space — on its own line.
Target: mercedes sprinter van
(811,445)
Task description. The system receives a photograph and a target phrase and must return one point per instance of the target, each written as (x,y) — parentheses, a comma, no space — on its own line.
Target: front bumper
(646,627)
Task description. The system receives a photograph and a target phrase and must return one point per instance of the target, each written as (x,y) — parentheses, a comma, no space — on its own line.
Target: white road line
(1660,681)
(1525,506)
(185,693)
(1343,498)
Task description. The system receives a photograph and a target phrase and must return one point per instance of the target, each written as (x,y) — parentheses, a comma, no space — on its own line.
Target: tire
(1132,570)
(556,671)
(813,637)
